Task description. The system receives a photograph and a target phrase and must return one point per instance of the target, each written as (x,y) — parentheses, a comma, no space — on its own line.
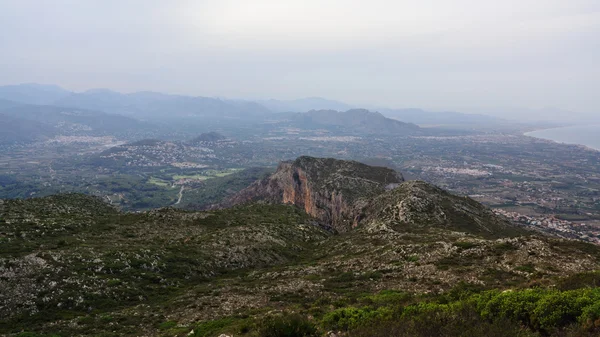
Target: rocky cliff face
(333,191)
(348,194)
(71,265)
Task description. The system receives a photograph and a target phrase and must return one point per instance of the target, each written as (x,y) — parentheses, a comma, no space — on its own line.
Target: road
(180,195)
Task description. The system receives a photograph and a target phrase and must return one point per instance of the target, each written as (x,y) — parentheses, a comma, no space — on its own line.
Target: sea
(588,135)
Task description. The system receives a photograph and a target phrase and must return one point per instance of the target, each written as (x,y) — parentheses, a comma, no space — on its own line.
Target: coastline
(595,148)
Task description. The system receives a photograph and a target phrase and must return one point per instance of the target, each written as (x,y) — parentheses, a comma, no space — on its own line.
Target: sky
(465,55)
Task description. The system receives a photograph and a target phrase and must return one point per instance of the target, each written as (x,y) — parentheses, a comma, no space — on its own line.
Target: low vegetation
(419,262)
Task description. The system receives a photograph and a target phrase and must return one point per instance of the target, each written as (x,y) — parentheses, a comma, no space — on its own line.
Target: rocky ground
(73,265)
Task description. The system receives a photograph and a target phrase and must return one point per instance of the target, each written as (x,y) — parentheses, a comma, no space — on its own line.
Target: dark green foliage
(529,312)
(140,193)
(215,190)
(167,325)
(462,322)
(287,326)
(211,328)
(462,245)
(504,247)
(151,272)
(352,318)
(121,260)
(580,280)
(528,268)
(569,246)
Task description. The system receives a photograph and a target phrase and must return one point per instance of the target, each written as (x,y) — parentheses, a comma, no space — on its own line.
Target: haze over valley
(300,169)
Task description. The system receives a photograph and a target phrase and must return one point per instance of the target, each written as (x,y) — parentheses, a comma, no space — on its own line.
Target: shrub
(464,245)
(287,326)
(528,312)
(580,280)
(167,325)
(351,318)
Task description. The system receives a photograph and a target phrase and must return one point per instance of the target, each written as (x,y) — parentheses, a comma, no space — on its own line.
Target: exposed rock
(333,191)
(346,194)
(416,204)
(74,265)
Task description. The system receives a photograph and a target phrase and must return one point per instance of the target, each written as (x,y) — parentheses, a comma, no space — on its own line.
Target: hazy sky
(435,54)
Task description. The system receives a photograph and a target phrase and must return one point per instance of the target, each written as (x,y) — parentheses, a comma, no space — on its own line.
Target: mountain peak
(417,205)
(33,93)
(347,194)
(331,190)
(360,120)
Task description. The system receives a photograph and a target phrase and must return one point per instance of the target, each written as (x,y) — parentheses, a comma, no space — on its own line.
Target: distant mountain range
(33,93)
(410,115)
(140,104)
(15,129)
(354,120)
(4,104)
(154,105)
(103,111)
(75,121)
(305,104)
(158,105)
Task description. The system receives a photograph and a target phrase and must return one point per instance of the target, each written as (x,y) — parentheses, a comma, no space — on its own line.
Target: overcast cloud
(435,54)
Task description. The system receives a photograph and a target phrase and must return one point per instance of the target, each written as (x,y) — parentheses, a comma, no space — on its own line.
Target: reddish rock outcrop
(333,191)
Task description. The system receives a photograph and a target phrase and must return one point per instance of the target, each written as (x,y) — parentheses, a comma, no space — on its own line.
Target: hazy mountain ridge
(159,105)
(5,104)
(67,120)
(304,104)
(147,104)
(14,129)
(359,120)
(33,93)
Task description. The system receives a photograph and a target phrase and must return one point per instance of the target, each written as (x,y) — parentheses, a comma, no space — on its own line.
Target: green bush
(528,312)
(287,326)
(580,280)
(350,318)
(167,325)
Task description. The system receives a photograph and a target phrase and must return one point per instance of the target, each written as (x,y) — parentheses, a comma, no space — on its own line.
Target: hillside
(208,137)
(4,104)
(13,129)
(161,106)
(304,104)
(418,258)
(414,205)
(77,121)
(330,190)
(32,93)
(355,121)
